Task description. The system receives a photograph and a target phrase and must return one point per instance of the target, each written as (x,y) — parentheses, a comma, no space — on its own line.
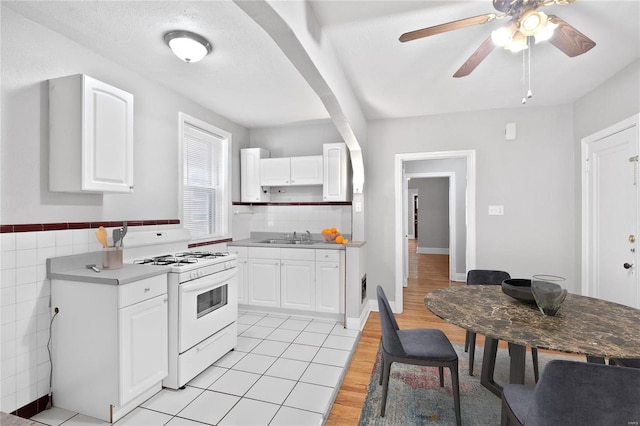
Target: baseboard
(459,278)
(358,323)
(432,250)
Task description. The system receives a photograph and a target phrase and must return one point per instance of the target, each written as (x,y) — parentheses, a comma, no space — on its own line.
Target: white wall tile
(26,240)
(8,242)
(26,258)
(25,328)
(8,296)
(8,349)
(8,314)
(8,368)
(64,250)
(27,394)
(7,278)
(26,275)
(26,309)
(46,239)
(9,403)
(10,387)
(80,236)
(8,335)
(45,253)
(7,259)
(63,238)
(28,361)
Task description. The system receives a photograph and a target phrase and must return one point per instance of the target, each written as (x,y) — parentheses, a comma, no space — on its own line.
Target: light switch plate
(358,207)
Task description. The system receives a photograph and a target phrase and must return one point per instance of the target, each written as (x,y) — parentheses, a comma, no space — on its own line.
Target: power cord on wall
(50,402)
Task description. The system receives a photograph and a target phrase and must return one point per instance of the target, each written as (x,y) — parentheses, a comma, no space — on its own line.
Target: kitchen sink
(277,241)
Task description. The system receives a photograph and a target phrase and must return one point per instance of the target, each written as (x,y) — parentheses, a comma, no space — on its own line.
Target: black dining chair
(489,277)
(625,362)
(419,346)
(571,393)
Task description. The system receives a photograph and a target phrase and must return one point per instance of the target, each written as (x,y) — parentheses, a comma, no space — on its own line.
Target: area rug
(416,398)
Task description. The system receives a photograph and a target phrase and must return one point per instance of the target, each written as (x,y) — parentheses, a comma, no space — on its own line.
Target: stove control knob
(227,265)
(200,272)
(194,275)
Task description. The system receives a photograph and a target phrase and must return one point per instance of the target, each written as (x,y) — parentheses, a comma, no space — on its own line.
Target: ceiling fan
(524,21)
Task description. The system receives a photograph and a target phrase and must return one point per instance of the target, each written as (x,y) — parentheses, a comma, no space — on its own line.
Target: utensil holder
(112,258)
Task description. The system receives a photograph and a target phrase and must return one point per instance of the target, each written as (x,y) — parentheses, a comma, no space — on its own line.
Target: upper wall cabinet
(90,136)
(335,186)
(251,190)
(289,171)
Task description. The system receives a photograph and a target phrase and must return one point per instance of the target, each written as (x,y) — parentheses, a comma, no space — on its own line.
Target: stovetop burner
(180,259)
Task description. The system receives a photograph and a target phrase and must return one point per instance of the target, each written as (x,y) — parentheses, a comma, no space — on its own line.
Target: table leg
(516,367)
(488,366)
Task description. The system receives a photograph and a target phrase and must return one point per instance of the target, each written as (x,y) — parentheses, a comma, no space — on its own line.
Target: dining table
(593,327)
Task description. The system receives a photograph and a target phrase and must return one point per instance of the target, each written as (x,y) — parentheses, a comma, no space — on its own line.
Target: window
(205,178)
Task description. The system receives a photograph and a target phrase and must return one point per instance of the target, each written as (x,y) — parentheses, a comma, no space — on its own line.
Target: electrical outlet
(496,210)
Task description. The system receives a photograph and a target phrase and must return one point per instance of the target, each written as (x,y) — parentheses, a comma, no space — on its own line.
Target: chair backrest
(389,325)
(486,276)
(580,393)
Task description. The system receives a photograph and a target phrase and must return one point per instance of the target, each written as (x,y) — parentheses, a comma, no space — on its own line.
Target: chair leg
(466,341)
(455,387)
(472,350)
(385,386)
(381,366)
(534,358)
(441,371)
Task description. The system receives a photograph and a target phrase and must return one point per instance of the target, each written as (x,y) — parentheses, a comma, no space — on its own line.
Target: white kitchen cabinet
(90,136)
(275,171)
(243,275)
(250,163)
(264,276)
(111,339)
(335,186)
(306,170)
(141,340)
(297,279)
(290,171)
(329,281)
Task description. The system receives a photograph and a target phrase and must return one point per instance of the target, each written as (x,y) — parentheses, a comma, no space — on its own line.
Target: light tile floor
(284,371)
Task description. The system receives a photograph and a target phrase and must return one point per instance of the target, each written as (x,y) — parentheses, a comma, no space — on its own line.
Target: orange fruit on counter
(339,239)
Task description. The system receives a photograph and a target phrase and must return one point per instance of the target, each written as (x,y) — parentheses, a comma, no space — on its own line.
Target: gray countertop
(72,268)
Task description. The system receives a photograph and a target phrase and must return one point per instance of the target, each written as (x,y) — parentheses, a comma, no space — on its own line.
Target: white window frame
(225,175)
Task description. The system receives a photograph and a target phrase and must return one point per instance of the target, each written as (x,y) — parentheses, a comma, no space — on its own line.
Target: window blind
(205,159)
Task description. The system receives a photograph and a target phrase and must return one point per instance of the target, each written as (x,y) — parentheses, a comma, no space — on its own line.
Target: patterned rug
(416,398)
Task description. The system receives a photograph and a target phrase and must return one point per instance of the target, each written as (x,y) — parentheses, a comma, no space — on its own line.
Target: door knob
(627,265)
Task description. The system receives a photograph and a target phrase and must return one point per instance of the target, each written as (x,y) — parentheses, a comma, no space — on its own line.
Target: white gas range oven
(203,299)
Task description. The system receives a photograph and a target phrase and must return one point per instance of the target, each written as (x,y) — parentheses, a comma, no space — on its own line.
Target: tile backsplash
(289,218)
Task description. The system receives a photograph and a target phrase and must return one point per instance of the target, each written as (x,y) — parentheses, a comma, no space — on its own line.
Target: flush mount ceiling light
(188,46)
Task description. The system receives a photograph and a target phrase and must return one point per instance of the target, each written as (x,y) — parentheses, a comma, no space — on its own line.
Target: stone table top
(583,325)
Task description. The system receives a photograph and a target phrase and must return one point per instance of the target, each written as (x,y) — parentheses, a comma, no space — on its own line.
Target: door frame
(451,178)
(633,121)
(400,210)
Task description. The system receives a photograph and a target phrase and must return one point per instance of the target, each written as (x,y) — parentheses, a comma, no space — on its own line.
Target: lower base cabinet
(110,345)
(292,278)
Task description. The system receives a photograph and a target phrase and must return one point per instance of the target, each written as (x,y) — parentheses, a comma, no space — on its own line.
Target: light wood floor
(427,272)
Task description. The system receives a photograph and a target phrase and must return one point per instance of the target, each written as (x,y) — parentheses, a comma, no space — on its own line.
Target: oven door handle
(210,281)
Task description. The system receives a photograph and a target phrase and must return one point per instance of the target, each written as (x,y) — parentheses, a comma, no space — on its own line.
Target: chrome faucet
(308,236)
(294,235)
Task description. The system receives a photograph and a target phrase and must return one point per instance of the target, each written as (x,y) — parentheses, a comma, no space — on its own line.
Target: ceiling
(250,81)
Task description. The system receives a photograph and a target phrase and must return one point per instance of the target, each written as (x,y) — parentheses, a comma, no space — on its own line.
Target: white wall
(31,55)
(532,177)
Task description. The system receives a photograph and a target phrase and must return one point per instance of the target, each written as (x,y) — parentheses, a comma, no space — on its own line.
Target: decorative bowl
(330,237)
(519,289)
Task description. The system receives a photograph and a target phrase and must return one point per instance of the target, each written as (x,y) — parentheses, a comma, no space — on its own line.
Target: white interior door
(610,259)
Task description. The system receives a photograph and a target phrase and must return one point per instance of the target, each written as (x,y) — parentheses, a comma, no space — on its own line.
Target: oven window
(212,300)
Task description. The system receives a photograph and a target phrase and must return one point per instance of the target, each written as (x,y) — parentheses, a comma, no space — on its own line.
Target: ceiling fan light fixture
(531,22)
(188,46)
(503,35)
(518,43)
(546,32)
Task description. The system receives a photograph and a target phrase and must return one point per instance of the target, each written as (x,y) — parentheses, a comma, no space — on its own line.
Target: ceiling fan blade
(569,40)
(449,26)
(474,60)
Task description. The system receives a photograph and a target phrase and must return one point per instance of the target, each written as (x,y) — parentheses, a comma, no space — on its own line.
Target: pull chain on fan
(526,66)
